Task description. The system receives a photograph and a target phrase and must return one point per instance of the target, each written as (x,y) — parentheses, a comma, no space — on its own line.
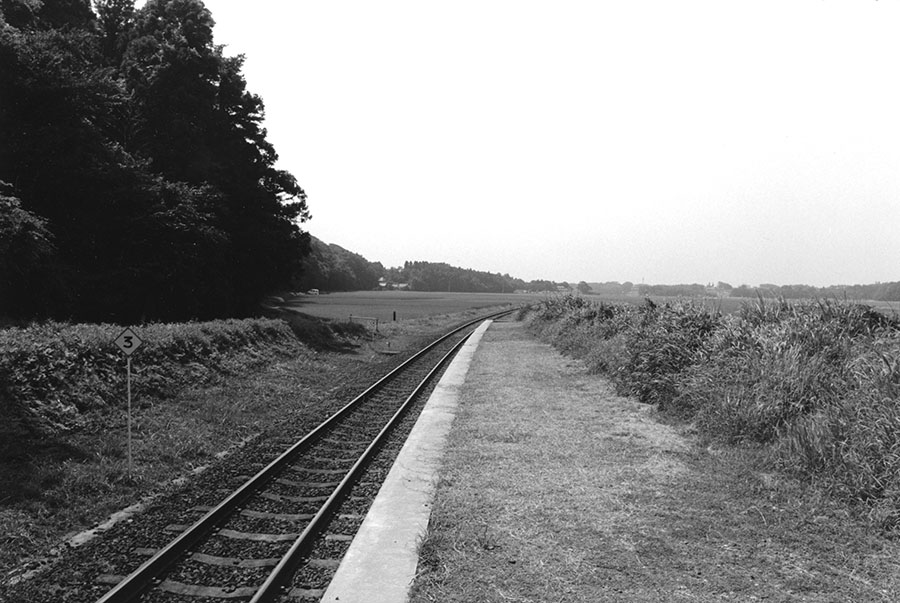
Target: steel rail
(141,578)
(284,571)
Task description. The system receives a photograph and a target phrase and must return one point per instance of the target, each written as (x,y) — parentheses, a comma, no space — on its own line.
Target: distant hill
(333,268)
(438,276)
(330,267)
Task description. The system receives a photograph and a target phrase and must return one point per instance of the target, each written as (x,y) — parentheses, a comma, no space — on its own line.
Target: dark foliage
(333,268)
(141,185)
(437,276)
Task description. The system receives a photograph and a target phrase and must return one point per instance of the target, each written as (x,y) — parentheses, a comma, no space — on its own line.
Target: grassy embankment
(815,385)
(63,459)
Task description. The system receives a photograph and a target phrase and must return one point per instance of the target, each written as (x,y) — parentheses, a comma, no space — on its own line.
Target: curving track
(282,532)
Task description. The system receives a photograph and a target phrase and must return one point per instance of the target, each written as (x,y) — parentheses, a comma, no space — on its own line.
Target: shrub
(53,373)
(662,343)
(818,382)
(772,363)
(852,444)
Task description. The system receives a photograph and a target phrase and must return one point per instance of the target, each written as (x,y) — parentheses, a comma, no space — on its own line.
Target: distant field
(418,304)
(407,304)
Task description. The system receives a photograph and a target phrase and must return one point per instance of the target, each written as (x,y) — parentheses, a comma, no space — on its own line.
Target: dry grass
(555,489)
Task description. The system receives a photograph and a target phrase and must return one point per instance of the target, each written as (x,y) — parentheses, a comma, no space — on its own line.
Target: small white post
(128,341)
(129,418)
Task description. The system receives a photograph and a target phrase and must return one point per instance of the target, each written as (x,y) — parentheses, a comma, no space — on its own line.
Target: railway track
(280,534)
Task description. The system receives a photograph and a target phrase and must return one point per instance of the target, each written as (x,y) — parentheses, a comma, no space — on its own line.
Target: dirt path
(555,489)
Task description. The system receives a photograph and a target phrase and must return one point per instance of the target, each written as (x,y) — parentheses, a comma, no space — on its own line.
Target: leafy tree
(20,14)
(26,254)
(171,68)
(583,287)
(61,14)
(433,276)
(54,149)
(116,20)
(333,268)
(202,126)
(134,144)
(541,285)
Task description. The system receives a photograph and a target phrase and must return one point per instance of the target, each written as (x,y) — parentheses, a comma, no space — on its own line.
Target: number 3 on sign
(128,341)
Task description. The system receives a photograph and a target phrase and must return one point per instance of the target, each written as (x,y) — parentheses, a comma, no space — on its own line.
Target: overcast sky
(657,141)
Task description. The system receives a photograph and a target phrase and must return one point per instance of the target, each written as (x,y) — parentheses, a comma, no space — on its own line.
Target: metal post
(129,418)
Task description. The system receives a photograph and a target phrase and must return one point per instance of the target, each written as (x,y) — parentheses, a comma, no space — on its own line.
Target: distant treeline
(333,268)
(889,291)
(436,276)
(875,292)
(136,181)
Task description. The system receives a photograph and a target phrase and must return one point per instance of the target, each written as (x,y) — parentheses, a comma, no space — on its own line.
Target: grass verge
(554,488)
(59,478)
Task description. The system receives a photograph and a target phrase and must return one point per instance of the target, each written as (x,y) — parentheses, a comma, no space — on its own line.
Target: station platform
(542,484)
(380,565)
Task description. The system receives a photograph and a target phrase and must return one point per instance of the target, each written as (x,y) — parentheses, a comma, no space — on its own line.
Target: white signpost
(128,341)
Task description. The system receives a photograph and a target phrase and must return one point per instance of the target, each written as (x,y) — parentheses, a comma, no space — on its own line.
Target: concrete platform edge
(380,565)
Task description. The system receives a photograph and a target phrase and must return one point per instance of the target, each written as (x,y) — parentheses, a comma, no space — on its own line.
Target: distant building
(386,285)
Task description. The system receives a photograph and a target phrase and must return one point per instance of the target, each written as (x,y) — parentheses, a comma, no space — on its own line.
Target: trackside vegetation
(816,384)
(53,375)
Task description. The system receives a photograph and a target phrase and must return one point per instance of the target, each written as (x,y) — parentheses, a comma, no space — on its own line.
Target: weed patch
(53,375)
(605,503)
(817,383)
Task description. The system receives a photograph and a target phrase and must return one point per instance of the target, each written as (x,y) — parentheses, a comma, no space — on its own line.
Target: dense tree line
(333,268)
(889,291)
(432,276)
(692,290)
(329,267)
(438,276)
(136,181)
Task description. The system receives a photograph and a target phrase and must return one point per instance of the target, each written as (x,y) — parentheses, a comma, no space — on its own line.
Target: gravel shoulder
(555,489)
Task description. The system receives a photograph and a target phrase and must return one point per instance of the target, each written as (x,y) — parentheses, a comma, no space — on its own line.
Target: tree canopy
(333,268)
(136,181)
(438,276)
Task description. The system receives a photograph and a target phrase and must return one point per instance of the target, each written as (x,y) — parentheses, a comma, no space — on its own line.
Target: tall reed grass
(817,382)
